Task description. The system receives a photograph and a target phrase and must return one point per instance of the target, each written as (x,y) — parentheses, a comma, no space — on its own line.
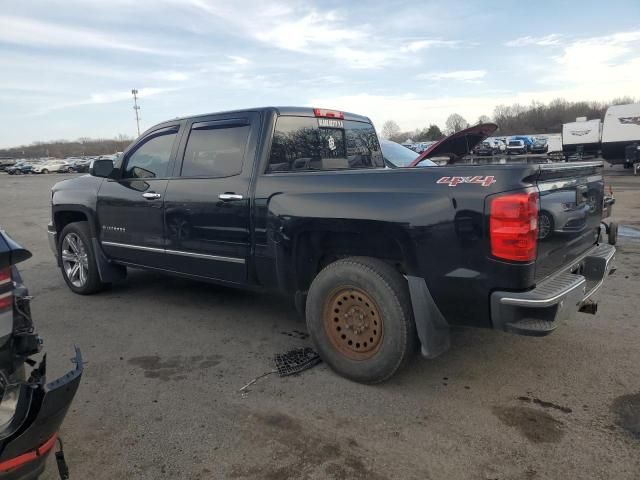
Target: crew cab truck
(297,201)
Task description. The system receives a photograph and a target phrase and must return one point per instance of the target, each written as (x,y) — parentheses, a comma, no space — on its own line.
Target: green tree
(430,134)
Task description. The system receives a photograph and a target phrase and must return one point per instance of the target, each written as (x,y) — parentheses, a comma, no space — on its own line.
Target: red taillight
(6,290)
(31,455)
(323,112)
(513,226)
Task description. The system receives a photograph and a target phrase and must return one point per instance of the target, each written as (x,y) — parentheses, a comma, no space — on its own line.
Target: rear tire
(360,320)
(613,233)
(78,260)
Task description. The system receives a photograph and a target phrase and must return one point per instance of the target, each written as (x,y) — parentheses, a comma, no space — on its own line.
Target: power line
(136,108)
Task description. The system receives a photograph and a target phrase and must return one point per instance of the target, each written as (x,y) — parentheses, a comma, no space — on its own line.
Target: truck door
(130,207)
(207,204)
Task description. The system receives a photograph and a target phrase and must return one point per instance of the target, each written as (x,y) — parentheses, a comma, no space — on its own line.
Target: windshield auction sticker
(330,123)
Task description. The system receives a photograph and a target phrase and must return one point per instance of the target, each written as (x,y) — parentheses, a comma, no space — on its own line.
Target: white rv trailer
(581,133)
(621,127)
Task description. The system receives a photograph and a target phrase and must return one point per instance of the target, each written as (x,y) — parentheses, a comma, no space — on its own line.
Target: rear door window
(309,143)
(215,149)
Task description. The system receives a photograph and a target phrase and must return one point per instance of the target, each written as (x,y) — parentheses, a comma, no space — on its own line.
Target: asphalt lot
(166,357)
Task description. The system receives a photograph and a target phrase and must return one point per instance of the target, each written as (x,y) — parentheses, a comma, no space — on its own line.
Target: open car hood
(458,144)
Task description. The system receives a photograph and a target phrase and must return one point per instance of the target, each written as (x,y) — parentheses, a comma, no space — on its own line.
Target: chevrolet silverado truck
(381,261)
(31,409)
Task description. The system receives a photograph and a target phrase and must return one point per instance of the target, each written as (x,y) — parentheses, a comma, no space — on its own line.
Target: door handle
(230,196)
(151,195)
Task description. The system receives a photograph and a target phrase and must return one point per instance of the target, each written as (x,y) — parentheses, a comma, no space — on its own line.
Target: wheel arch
(315,248)
(63,215)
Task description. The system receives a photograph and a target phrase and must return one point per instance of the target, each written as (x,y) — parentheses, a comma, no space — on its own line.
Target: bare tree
(483,119)
(455,122)
(390,129)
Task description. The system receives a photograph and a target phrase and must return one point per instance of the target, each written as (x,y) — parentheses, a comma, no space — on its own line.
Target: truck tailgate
(571,202)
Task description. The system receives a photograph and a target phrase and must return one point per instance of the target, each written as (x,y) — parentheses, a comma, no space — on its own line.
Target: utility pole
(136,108)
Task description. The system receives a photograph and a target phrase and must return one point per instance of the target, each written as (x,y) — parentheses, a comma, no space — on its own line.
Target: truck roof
(294,111)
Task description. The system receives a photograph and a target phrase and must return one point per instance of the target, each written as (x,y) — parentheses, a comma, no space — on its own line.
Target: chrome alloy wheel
(544,226)
(75,260)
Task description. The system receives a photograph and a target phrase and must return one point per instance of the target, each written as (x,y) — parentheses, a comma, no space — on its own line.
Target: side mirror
(101,168)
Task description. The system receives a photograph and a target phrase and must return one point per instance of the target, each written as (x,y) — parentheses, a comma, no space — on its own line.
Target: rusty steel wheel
(353,323)
(360,320)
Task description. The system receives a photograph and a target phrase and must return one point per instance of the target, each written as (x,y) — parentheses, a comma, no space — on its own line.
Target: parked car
(540,145)
(5,163)
(79,165)
(31,409)
(297,201)
(19,169)
(490,147)
(528,141)
(516,147)
(397,155)
(51,166)
(485,148)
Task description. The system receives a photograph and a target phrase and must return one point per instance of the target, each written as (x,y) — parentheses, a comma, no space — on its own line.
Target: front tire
(45,171)
(360,320)
(78,261)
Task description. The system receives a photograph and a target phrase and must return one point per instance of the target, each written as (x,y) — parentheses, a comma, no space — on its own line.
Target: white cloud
(418,45)
(608,66)
(331,34)
(360,58)
(170,76)
(311,31)
(553,39)
(456,75)
(105,97)
(27,31)
(238,60)
(413,111)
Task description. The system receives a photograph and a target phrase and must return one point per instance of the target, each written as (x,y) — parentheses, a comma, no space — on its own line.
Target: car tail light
(513,226)
(29,456)
(6,289)
(323,112)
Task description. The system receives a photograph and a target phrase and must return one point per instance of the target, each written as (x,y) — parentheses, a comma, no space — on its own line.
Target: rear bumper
(31,436)
(537,312)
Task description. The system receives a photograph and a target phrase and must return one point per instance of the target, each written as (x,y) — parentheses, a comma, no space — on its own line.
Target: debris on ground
(289,363)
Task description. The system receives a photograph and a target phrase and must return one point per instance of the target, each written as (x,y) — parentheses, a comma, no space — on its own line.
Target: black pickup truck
(381,260)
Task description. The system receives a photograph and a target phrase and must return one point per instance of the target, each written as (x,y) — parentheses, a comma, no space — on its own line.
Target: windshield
(399,155)
(515,143)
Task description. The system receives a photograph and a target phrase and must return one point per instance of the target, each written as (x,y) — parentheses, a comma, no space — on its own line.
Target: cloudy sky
(67,67)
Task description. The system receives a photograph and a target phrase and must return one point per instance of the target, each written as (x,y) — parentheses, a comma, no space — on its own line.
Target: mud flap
(432,327)
(108,272)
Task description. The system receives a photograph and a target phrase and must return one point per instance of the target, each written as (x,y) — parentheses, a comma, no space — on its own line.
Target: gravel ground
(166,357)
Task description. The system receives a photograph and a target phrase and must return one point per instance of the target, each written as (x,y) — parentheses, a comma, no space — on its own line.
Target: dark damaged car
(31,409)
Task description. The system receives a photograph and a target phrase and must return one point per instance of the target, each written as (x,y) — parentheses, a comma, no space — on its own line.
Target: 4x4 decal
(455,181)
